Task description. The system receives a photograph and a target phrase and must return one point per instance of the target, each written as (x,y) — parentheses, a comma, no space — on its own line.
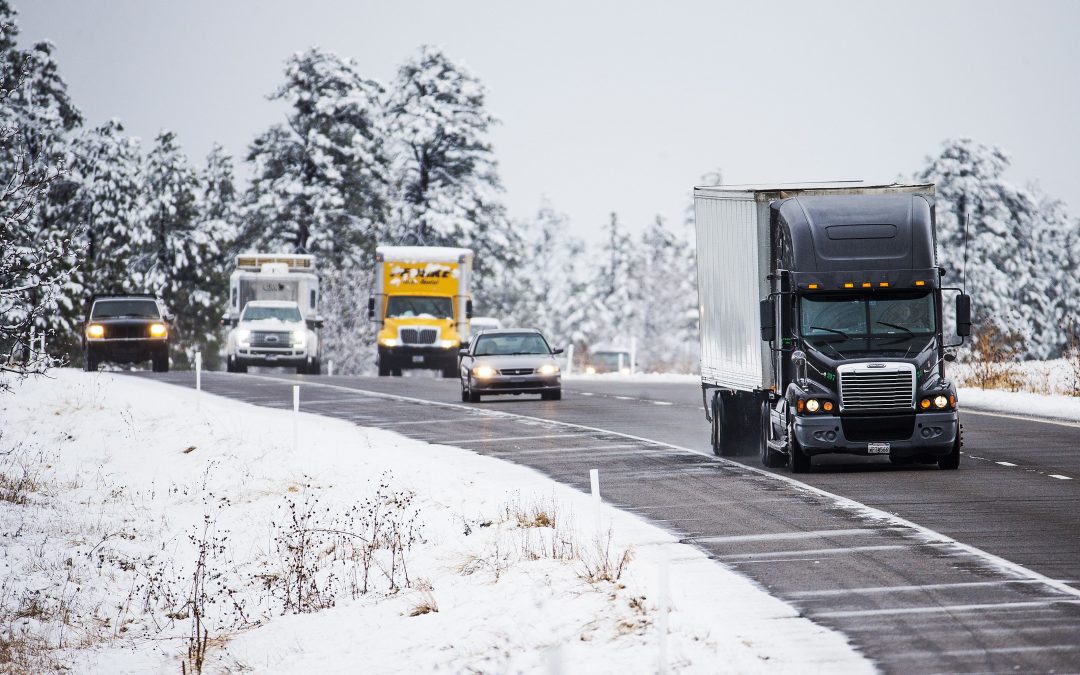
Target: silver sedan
(510,361)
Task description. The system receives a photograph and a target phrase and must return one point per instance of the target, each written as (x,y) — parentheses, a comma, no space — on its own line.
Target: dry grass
(994,359)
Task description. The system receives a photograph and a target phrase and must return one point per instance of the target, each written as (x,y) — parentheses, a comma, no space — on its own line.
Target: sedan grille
(281,340)
(872,387)
(516,371)
(419,336)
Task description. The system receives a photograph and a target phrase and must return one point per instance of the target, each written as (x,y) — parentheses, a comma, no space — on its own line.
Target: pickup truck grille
(873,387)
(279,340)
(419,336)
(115,332)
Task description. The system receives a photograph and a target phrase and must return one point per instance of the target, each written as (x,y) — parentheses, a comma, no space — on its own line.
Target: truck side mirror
(767,310)
(468,309)
(963,315)
(371,307)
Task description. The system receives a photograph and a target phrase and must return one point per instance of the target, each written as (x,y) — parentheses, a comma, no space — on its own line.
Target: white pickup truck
(272,333)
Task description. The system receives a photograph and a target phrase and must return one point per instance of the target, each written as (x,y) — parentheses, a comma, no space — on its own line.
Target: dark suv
(126,329)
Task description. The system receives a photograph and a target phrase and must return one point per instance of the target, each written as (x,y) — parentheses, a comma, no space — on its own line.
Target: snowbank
(136,490)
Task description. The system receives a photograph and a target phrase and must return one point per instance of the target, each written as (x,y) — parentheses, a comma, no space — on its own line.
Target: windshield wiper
(831,330)
(893,325)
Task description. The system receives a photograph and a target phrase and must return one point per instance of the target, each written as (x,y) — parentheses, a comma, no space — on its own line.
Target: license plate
(418,359)
(878,448)
(518,379)
(271,357)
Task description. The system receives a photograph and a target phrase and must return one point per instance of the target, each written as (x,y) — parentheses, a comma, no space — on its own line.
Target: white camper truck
(273,313)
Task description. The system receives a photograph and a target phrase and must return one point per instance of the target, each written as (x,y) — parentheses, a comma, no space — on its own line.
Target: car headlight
(548,369)
(483,371)
(95,330)
(243,335)
(388,342)
(940,401)
(157,330)
(813,405)
(299,337)
(447,344)
(589,370)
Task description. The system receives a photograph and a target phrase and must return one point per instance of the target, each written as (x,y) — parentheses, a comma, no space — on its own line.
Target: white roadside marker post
(594,484)
(330,368)
(633,355)
(198,379)
(296,417)
(569,359)
(664,593)
(30,351)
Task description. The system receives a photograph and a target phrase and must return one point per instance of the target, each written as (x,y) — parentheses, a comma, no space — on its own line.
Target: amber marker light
(884,284)
(867,284)
(920,283)
(849,285)
(827,406)
(812,287)
(924,404)
(801,405)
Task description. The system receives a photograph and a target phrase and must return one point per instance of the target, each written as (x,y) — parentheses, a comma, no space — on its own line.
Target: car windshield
(841,324)
(511,343)
(258,313)
(113,309)
(404,306)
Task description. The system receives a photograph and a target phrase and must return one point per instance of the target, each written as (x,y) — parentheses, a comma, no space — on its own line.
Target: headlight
(813,405)
(95,330)
(299,337)
(548,369)
(483,371)
(589,370)
(388,342)
(157,330)
(243,335)
(446,344)
(940,401)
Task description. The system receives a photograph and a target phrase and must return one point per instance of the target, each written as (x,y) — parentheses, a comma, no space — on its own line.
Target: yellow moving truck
(422,305)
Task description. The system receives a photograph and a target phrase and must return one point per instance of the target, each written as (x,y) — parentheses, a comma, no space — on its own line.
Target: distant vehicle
(821,323)
(510,361)
(422,306)
(609,361)
(479,323)
(272,333)
(286,278)
(126,329)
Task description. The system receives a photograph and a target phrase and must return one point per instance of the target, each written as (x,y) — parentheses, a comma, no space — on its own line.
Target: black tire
(90,364)
(551,395)
(384,369)
(160,363)
(951,461)
(239,368)
(302,370)
(473,396)
(315,367)
(396,372)
(230,364)
(464,394)
(724,433)
(798,461)
(773,459)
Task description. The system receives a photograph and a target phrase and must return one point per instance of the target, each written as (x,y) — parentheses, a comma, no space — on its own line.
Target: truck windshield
(842,324)
(404,306)
(113,309)
(257,313)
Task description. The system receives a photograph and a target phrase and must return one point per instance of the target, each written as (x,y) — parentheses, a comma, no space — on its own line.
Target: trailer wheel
(773,459)
(723,433)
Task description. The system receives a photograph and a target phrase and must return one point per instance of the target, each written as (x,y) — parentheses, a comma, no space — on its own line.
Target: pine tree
(666,293)
(180,260)
(612,314)
(972,194)
(219,225)
(320,182)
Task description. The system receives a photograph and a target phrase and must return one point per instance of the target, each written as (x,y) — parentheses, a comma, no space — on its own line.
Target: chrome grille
(264,339)
(877,387)
(516,371)
(419,336)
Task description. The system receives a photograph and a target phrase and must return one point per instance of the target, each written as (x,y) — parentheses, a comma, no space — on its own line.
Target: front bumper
(266,356)
(418,357)
(515,384)
(126,350)
(907,435)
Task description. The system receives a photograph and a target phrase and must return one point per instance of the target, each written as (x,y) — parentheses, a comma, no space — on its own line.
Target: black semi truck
(821,309)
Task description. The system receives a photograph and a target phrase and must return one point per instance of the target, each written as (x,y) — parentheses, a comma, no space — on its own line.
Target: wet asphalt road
(978,571)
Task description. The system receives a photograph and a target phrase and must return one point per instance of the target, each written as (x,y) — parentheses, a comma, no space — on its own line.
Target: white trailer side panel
(732,265)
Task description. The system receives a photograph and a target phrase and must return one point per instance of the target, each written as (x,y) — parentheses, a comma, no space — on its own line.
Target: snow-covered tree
(320,182)
(219,220)
(36,255)
(999,217)
(445,172)
(610,302)
(181,260)
(666,291)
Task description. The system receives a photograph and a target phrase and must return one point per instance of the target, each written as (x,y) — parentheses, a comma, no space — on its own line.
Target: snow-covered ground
(130,507)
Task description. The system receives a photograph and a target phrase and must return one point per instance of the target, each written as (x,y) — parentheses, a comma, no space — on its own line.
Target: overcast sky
(618,106)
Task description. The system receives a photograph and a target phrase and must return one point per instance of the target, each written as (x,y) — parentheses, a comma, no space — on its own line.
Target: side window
(234,297)
(313,298)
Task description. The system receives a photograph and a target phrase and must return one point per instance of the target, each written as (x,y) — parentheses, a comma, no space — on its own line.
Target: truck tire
(724,433)
(160,363)
(951,461)
(798,461)
(302,370)
(316,368)
(239,368)
(384,369)
(91,364)
(230,365)
(773,459)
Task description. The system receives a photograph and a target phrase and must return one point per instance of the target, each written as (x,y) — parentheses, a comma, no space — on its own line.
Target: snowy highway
(925,570)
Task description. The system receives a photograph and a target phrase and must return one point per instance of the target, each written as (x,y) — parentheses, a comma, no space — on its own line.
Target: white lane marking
(624,398)
(945,608)
(431,421)
(809,552)
(1060,423)
(868,512)
(494,440)
(779,536)
(1059,476)
(585,393)
(1005,463)
(905,589)
(663,403)
(992,650)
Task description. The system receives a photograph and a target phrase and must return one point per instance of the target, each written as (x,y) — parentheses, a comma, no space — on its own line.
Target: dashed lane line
(937,609)
(872,590)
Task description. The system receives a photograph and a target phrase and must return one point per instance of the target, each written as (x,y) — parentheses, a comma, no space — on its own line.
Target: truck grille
(279,340)
(873,387)
(114,332)
(516,371)
(419,336)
